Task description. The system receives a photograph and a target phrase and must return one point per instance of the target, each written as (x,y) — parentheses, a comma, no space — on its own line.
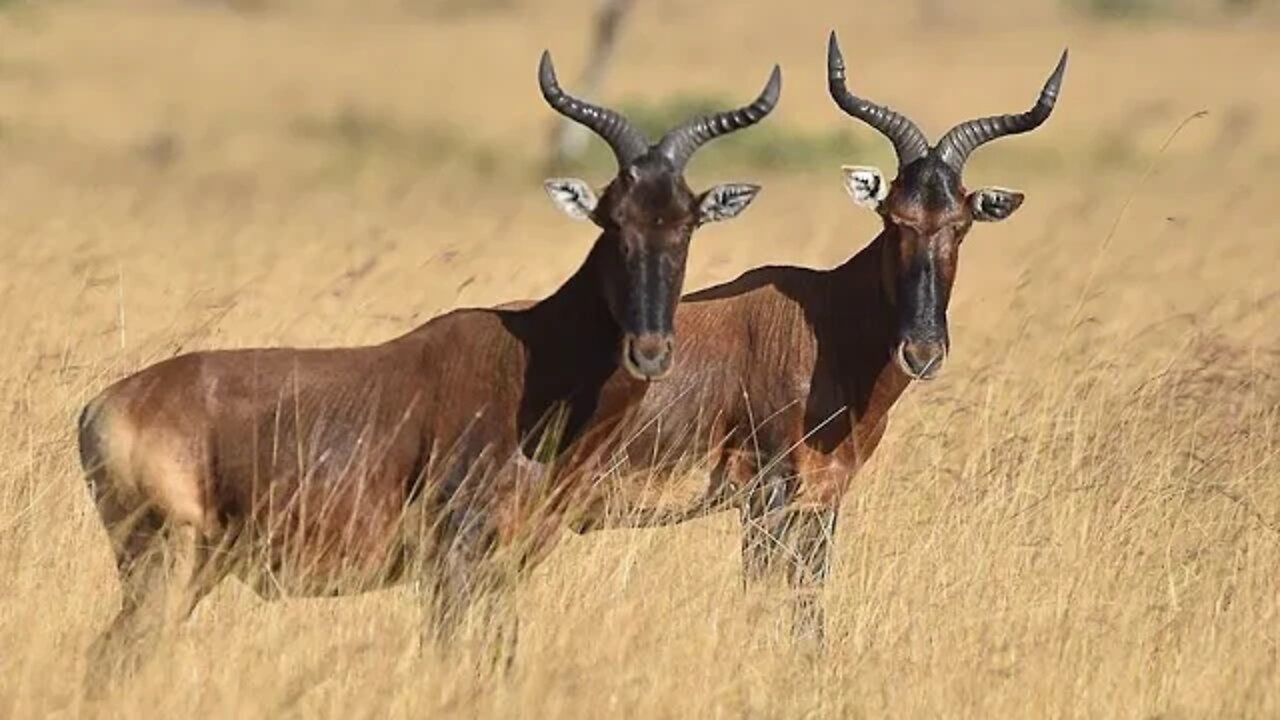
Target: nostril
(650,355)
(668,351)
(922,359)
(914,361)
(925,365)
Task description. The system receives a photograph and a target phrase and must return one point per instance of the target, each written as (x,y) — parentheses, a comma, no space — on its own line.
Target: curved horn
(908,141)
(955,146)
(624,139)
(679,144)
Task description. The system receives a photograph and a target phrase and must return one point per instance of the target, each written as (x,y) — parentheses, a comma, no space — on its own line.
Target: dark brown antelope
(298,470)
(787,375)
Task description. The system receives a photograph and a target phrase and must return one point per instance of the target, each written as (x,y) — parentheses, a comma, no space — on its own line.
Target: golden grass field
(1080,518)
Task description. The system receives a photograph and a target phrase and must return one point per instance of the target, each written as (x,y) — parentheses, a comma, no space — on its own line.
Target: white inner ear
(865,185)
(573,196)
(723,202)
(992,204)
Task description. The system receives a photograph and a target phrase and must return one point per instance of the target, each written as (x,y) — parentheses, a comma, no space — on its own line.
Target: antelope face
(928,214)
(648,215)
(926,210)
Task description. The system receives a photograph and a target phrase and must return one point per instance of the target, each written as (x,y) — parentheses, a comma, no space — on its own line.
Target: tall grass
(1079,518)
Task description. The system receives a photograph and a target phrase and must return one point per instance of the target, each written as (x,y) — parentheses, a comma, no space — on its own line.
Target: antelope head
(648,213)
(926,209)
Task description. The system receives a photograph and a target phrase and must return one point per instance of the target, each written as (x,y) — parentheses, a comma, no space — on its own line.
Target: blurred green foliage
(767,146)
(357,138)
(1149,9)
(1120,9)
(353,140)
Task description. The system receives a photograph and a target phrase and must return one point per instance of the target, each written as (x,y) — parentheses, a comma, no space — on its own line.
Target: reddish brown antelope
(298,470)
(787,375)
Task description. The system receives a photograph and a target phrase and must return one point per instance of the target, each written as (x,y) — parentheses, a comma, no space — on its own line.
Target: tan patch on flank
(158,468)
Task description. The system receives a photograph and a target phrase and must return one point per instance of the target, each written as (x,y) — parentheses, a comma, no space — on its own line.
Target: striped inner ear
(723,202)
(865,185)
(993,204)
(573,196)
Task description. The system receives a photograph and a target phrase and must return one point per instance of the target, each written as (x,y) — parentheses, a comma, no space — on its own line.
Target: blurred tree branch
(932,12)
(568,138)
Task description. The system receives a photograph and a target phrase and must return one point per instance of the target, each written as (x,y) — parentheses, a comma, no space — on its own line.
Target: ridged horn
(624,139)
(909,143)
(963,139)
(679,144)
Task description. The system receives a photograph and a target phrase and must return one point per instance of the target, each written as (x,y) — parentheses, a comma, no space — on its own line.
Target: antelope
(324,472)
(788,374)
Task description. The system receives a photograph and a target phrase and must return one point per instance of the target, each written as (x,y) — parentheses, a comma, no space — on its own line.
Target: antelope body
(332,471)
(787,375)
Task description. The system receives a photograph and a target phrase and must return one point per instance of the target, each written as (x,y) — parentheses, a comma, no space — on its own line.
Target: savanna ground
(1081,517)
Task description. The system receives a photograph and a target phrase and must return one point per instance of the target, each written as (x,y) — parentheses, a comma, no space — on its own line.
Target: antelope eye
(902,222)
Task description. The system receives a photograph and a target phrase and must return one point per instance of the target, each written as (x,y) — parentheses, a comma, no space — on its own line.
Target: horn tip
(1054,83)
(835,59)
(772,88)
(547,73)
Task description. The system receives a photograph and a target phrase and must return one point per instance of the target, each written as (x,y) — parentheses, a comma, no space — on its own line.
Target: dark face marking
(648,214)
(927,209)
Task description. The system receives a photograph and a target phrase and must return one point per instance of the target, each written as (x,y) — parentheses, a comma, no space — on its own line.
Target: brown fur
(788,374)
(786,379)
(321,472)
(294,469)
(784,387)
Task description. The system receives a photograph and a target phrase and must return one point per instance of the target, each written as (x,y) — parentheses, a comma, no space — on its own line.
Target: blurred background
(1080,517)
(417,125)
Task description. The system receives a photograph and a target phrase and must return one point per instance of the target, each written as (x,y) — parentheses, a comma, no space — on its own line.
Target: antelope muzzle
(921,359)
(923,294)
(648,356)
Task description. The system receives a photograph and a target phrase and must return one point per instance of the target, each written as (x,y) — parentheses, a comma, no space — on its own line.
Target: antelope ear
(573,196)
(993,204)
(724,202)
(866,185)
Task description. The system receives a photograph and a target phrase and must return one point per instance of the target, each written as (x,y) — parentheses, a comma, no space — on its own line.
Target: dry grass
(1081,518)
